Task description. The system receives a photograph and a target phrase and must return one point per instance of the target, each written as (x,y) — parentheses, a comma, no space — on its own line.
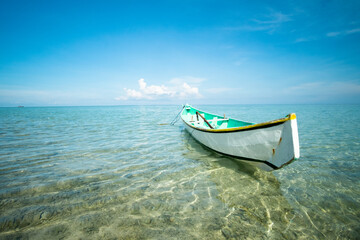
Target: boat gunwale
(244,128)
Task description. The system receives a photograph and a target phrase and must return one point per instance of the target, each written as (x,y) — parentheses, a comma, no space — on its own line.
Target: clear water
(115,173)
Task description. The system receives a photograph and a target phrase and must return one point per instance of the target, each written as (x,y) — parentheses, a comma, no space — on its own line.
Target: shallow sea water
(115,173)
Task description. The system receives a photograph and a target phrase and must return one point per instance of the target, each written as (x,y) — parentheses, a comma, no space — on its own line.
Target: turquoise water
(115,173)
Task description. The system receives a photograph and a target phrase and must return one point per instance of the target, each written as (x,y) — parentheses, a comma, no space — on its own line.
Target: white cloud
(270,23)
(221,90)
(355,30)
(178,89)
(333,34)
(31,97)
(188,91)
(326,88)
(305,39)
(307,86)
(240,62)
(187,79)
(274,18)
(152,90)
(130,93)
(342,33)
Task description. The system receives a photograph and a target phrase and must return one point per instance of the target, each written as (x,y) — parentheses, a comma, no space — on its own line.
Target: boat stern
(288,148)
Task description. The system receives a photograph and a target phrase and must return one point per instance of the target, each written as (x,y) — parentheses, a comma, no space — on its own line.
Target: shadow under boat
(243,164)
(255,196)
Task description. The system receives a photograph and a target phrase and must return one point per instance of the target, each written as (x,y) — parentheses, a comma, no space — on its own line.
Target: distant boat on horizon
(20,106)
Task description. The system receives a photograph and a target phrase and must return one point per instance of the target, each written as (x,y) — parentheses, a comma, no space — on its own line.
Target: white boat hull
(274,145)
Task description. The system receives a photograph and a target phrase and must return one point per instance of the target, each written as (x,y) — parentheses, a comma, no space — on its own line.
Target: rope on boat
(177,117)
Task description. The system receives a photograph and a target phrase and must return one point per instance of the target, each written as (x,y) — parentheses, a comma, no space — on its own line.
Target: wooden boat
(273,144)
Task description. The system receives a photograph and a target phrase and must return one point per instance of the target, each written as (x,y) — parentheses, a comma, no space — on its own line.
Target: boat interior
(205,120)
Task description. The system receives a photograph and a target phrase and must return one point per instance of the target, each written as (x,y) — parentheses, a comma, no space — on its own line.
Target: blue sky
(172,52)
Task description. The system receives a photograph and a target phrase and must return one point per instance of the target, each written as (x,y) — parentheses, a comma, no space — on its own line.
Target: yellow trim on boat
(291,116)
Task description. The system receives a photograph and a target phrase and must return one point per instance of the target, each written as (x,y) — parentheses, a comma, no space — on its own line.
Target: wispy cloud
(342,33)
(307,86)
(329,34)
(179,88)
(325,88)
(305,39)
(333,34)
(274,18)
(269,23)
(221,90)
(48,97)
(355,30)
(187,79)
(324,92)
(240,61)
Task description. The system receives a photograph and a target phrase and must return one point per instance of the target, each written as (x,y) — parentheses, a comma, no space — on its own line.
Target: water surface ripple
(115,173)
